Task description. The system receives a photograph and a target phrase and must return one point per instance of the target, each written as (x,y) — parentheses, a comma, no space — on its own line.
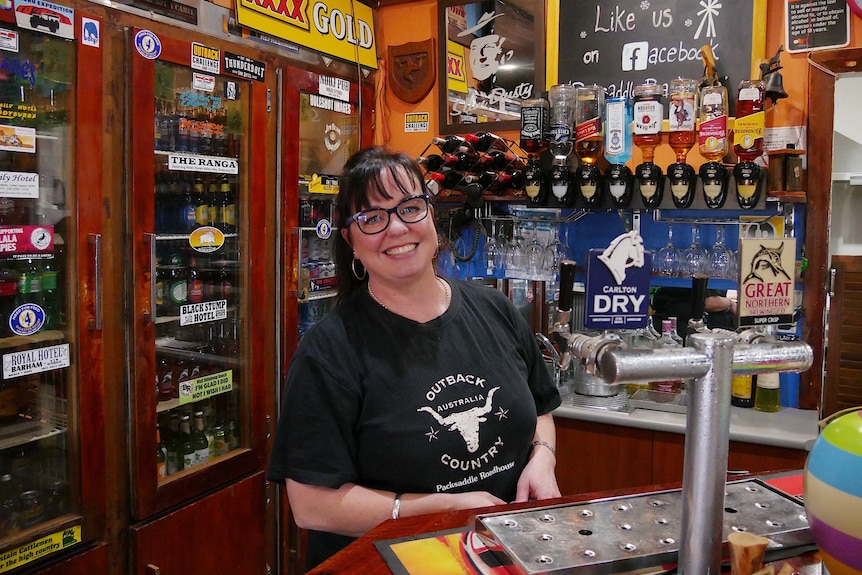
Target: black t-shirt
(379,400)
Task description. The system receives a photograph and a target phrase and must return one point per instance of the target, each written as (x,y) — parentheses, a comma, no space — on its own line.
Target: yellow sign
(456,67)
(39,548)
(205,387)
(341,28)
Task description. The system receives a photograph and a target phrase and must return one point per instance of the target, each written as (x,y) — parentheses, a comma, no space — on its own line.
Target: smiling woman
(491,60)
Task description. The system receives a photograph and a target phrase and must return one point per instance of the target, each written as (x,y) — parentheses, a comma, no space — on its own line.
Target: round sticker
(40,238)
(27,319)
(324,229)
(148,44)
(206,239)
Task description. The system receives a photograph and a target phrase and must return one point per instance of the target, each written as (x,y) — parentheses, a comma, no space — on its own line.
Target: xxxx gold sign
(339,28)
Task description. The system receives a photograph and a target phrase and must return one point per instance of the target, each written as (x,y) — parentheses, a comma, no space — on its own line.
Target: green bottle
(199,440)
(29,284)
(172,445)
(187,451)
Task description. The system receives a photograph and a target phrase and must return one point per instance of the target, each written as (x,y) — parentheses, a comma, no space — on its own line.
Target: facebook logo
(635,56)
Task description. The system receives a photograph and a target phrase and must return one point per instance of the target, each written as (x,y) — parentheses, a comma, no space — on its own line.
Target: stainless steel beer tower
(712,358)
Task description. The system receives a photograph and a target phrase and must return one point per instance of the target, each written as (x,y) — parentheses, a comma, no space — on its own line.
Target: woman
(415,394)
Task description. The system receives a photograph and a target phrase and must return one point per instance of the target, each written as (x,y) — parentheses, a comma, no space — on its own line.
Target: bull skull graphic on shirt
(465,422)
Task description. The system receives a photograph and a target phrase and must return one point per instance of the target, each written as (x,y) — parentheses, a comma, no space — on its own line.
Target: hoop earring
(356,273)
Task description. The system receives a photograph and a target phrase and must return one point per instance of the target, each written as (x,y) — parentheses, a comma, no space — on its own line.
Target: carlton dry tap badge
(618,279)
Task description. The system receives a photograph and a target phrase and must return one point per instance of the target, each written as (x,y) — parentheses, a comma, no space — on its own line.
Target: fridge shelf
(174,237)
(26,431)
(189,350)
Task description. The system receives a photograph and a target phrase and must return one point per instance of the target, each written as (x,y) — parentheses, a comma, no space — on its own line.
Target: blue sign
(618,279)
(27,319)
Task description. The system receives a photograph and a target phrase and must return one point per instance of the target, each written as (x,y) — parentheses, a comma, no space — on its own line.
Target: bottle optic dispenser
(589,140)
(681,118)
(618,149)
(748,141)
(712,143)
(648,115)
(562,99)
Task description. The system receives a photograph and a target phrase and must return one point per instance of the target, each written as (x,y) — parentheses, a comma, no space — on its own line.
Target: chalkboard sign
(623,43)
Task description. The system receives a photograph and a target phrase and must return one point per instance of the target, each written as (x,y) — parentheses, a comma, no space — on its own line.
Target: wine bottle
(498,160)
(450,144)
(743,390)
(484,141)
(450,179)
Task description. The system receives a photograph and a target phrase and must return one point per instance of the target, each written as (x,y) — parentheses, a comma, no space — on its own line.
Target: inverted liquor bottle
(646,135)
(713,145)
(618,149)
(748,132)
(535,125)
(681,119)
(562,98)
(589,140)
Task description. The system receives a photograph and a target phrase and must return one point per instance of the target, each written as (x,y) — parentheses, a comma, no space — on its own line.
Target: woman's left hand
(538,480)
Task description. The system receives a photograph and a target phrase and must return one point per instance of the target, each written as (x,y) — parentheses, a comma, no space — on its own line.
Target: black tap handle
(567,285)
(698,297)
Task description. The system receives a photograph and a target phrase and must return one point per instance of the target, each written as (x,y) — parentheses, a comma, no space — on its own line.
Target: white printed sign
(19,185)
(211,164)
(39,360)
(337,88)
(203,312)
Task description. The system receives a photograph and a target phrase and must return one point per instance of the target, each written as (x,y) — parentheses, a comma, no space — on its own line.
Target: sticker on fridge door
(8,40)
(206,239)
(203,82)
(206,59)
(26,319)
(89,32)
(45,17)
(16,138)
(39,360)
(148,44)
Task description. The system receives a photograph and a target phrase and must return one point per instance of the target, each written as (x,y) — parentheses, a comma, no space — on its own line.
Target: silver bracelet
(396,506)
(546,444)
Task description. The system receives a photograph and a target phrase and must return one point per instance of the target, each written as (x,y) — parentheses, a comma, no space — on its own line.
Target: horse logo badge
(624,252)
(411,70)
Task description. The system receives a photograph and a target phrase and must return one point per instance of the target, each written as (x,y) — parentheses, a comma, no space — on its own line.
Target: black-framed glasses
(375,220)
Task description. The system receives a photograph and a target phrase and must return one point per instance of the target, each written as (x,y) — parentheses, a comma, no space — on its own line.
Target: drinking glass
(501,257)
(515,252)
(666,261)
(694,256)
(719,259)
(555,252)
(491,250)
(534,255)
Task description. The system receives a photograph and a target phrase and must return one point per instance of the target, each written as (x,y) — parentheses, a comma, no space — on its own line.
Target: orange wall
(416,21)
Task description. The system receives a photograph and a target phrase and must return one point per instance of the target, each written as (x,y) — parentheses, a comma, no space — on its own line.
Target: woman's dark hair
(363,177)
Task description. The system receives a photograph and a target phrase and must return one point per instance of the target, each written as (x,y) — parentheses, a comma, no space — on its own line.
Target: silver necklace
(446,289)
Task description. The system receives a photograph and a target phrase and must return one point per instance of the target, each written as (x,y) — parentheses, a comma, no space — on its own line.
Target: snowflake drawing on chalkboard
(645,5)
(710,8)
(688,22)
(583,34)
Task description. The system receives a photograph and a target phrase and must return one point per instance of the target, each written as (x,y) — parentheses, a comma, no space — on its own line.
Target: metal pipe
(779,356)
(707,438)
(632,365)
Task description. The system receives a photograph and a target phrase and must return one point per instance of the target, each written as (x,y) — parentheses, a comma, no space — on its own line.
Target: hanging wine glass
(491,250)
(694,257)
(501,257)
(515,253)
(534,256)
(554,254)
(667,258)
(719,259)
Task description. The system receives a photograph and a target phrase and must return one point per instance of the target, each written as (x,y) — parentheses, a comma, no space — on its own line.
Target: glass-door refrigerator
(197,228)
(52,464)
(325,118)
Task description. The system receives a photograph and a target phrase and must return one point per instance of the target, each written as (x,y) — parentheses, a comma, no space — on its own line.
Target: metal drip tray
(634,532)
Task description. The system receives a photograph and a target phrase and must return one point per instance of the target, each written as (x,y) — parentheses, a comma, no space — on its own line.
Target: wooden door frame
(823,67)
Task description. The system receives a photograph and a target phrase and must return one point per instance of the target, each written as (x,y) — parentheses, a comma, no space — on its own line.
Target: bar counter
(362,556)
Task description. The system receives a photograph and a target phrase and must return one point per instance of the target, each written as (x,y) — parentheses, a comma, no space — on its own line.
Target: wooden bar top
(362,556)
